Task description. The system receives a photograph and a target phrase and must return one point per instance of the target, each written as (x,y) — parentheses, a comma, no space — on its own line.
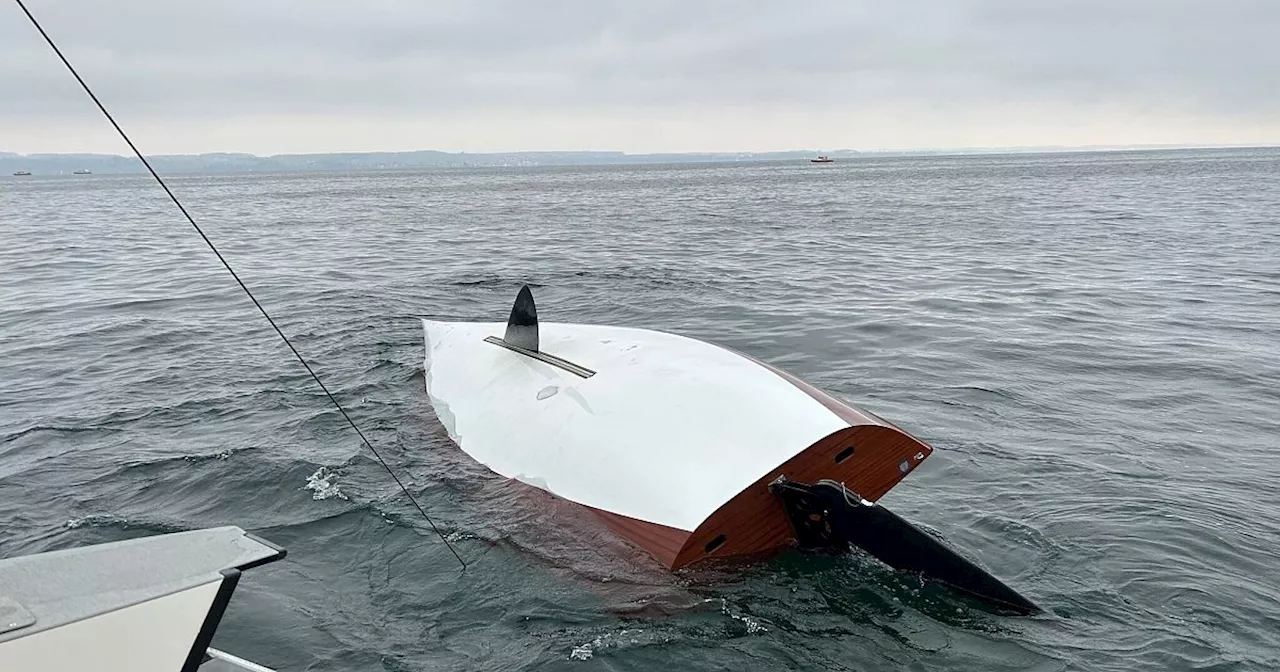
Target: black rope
(243,286)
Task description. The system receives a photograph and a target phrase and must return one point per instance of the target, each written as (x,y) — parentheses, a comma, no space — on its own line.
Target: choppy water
(1091,342)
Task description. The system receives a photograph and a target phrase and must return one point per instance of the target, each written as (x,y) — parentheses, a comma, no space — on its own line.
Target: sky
(292,76)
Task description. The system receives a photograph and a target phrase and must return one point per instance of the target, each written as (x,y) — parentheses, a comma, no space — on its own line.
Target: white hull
(689,450)
(671,440)
(645,437)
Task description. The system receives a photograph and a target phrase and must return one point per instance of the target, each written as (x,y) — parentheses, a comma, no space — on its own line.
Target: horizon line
(616,152)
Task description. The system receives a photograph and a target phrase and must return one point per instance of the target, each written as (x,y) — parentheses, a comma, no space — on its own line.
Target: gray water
(1090,341)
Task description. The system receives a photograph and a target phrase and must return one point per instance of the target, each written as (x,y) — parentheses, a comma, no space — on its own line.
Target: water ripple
(1089,340)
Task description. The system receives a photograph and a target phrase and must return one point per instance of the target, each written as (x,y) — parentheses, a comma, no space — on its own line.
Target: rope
(243,286)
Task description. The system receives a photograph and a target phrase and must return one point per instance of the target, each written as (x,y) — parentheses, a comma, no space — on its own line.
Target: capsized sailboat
(690,450)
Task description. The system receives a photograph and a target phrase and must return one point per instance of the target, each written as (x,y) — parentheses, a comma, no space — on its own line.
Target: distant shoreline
(54,164)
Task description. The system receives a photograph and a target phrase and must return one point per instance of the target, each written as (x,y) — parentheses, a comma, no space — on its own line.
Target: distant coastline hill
(353,161)
(66,164)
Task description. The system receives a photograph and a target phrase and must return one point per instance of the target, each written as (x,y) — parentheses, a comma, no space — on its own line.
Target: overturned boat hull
(672,441)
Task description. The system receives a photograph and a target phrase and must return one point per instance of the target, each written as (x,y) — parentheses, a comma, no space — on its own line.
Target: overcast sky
(273,76)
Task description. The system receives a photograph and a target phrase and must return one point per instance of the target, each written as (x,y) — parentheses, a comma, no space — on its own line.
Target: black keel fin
(825,515)
(522,326)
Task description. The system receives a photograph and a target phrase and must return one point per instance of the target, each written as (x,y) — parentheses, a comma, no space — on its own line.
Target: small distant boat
(822,159)
(21,173)
(82,172)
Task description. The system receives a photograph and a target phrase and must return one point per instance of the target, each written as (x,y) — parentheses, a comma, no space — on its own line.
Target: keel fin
(826,515)
(522,326)
(522,336)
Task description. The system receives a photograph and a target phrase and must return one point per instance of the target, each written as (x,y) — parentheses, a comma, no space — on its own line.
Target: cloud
(295,75)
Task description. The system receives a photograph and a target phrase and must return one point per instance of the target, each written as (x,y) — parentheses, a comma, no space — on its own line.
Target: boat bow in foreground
(142,605)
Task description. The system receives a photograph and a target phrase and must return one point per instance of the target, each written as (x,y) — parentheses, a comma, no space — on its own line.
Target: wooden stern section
(868,459)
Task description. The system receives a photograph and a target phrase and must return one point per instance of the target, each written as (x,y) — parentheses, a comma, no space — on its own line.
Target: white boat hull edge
(150,604)
(667,430)
(153,636)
